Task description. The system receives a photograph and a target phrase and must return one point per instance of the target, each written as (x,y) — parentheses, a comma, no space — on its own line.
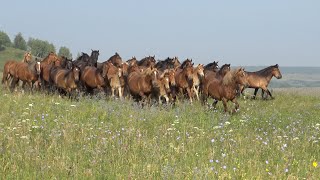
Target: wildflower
(72,105)
(30,105)
(286,170)
(211,160)
(267,162)
(56,103)
(224,167)
(212,168)
(217,161)
(224,155)
(315,164)
(212,140)
(24,137)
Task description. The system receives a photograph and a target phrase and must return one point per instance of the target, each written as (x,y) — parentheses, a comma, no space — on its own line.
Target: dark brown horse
(225,89)
(168,63)
(261,79)
(183,79)
(115,60)
(187,62)
(65,79)
(211,67)
(27,73)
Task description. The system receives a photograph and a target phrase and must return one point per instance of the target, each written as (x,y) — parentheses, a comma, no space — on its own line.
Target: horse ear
(277,65)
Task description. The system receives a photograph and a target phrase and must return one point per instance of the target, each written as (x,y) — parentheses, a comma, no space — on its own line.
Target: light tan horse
(198,74)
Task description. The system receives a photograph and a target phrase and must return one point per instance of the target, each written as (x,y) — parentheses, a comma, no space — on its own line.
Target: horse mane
(229,77)
(185,62)
(210,65)
(266,71)
(83,56)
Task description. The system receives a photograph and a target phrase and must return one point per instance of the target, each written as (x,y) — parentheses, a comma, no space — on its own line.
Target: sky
(243,33)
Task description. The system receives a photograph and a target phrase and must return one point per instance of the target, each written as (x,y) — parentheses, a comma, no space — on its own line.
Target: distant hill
(10,53)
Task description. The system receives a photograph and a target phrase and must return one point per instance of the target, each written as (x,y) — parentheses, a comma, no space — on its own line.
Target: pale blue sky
(243,32)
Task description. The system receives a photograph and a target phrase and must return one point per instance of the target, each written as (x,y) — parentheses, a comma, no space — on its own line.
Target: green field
(46,137)
(10,54)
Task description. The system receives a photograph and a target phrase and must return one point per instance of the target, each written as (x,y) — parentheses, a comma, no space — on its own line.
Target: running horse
(261,79)
(27,73)
(46,64)
(225,89)
(9,68)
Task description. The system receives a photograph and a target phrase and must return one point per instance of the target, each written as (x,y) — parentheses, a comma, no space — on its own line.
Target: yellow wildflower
(315,164)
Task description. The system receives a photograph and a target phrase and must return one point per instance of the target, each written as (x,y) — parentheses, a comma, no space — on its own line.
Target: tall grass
(45,136)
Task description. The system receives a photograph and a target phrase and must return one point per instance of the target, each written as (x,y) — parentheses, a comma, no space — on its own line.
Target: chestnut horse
(92,78)
(114,78)
(46,65)
(27,73)
(210,76)
(140,82)
(184,77)
(161,85)
(261,79)
(225,89)
(9,68)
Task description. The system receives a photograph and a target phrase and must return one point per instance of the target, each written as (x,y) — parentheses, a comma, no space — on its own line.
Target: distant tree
(4,40)
(40,48)
(19,42)
(64,51)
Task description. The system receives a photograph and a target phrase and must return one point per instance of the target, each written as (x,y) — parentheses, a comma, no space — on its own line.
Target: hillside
(10,54)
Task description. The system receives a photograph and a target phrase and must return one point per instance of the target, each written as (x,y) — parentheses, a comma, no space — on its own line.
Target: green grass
(50,137)
(10,54)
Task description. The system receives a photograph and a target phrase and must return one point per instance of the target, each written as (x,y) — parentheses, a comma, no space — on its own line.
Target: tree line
(38,47)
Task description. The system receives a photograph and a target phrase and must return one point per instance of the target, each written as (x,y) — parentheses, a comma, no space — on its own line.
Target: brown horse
(115,60)
(225,89)
(149,61)
(46,64)
(114,77)
(9,68)
(92,78)
(183,79)
(198,74)
(161,85)
(65,79)
(261,79)
(27,73)
(140,83)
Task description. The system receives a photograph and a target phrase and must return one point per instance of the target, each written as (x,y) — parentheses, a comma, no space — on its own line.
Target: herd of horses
(143,80)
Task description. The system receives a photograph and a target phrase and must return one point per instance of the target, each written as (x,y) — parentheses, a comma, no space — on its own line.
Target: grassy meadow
(46,137)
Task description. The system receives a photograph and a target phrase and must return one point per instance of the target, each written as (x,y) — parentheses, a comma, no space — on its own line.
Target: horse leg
(236,105)
(224,101)
(14,82)
(270,94)
(120,92)
(255,93)
(214,104)
(196,91)
(189,94)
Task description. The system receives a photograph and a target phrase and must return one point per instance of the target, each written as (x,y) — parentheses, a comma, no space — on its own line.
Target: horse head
(276,71)
(76,73)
